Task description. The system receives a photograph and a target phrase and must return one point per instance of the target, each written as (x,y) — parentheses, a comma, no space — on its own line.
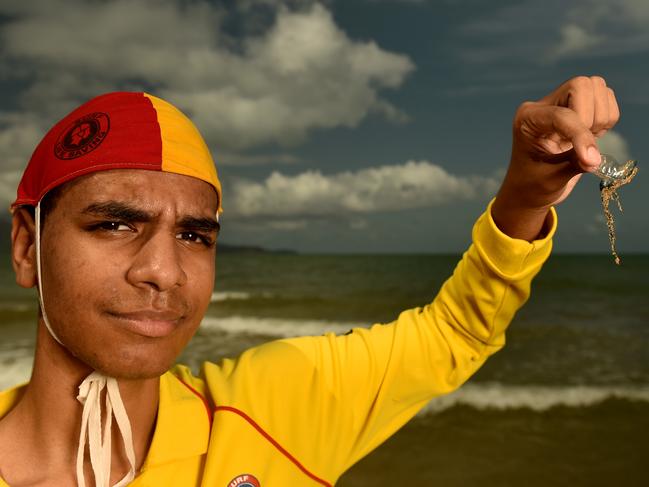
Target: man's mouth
(149,323)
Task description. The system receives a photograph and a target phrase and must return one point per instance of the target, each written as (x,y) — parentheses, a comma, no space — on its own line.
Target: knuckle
(600,122)
(598,80)
(579,86)
(579,82)
(523,111)
(526,106)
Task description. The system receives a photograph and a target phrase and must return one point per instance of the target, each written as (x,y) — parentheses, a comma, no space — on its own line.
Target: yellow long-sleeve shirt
(301,411)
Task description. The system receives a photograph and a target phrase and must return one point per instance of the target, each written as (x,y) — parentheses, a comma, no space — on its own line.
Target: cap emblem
(82,136)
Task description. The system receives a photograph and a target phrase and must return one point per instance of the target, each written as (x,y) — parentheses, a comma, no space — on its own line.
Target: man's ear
(23,248)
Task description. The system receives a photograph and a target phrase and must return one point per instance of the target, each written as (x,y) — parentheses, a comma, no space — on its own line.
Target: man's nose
(158,263)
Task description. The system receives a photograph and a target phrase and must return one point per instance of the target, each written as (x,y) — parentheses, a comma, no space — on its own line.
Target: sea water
(566,402)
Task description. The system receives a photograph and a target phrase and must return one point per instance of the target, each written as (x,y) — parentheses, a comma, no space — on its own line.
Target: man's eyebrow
(199,224)
(122,211)
(118,211)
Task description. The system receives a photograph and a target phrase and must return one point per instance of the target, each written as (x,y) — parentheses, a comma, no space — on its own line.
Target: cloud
(299,74)
(238,159)
(304,74)
(511,47)
(398,1)
(248,5)
(19,134)
(574,40)
(415,184)
(8,184)
(552,31)
(614,144)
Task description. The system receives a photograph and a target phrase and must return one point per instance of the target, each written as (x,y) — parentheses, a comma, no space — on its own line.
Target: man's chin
(128,367)
(130,374)
(127,357)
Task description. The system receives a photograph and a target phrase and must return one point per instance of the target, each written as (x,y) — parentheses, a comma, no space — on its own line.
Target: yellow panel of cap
(183,149)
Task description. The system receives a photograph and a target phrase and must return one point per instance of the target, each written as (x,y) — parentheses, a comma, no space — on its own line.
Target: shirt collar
(182,426)
(183,423)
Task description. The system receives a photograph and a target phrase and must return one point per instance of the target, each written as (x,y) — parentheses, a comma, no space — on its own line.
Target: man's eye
(113,226)
(195,238)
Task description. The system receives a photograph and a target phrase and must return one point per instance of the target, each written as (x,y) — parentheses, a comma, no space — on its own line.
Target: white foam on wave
(16,365)
(228,295)
(15,368)
(274,327)
(502,397)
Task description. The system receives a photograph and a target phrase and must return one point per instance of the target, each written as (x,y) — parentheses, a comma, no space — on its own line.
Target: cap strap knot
(90,392)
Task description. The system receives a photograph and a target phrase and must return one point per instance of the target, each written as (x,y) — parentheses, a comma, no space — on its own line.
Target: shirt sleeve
(332,399)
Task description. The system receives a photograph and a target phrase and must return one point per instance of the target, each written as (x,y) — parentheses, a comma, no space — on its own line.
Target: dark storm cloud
(302,73)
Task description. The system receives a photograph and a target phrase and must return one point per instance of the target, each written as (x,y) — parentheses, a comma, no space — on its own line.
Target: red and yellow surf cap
(119,130)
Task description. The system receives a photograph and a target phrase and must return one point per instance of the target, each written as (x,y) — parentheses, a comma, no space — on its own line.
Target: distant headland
(225,248)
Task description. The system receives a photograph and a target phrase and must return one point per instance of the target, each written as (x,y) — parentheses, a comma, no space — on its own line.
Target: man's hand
(554,143)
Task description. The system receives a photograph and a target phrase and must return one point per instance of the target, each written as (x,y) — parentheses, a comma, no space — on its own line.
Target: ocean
(566,402)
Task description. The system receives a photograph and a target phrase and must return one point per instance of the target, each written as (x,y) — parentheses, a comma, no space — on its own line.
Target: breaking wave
(15,368)
(274,327)
(501,397)
(229,295)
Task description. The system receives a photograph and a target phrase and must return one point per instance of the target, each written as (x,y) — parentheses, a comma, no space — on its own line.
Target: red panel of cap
(116,130)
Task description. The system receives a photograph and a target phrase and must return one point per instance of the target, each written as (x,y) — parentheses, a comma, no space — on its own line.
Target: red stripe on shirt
(207,405)
(273,442)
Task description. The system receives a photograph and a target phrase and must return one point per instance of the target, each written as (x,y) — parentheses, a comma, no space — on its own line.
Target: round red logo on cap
(82,136)
(245,480)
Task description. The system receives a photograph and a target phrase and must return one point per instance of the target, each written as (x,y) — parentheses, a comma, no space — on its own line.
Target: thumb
(588,156)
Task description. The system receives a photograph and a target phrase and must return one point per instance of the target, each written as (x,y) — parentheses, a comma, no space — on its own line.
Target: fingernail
(593,156)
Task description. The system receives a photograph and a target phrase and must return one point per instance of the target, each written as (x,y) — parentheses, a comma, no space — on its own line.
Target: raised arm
(338,397)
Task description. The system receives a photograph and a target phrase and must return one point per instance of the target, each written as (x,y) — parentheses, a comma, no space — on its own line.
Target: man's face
(128,268)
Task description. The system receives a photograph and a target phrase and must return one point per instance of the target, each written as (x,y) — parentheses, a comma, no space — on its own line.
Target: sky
(341,126)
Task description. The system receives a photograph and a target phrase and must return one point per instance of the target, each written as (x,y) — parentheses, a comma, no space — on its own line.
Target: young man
(122,246)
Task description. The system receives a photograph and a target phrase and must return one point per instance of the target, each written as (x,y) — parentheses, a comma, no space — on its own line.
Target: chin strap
(39,272)
(90,392)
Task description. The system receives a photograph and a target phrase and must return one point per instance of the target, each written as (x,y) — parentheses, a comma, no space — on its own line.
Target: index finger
(579,94)
(547,119)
